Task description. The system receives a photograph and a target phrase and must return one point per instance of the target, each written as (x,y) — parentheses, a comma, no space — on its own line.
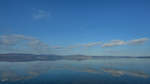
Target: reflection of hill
(32,57)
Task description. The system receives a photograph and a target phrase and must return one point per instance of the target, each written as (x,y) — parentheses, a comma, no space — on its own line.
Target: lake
(94,71)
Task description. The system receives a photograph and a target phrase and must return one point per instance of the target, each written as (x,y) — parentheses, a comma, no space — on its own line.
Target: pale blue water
(102,71)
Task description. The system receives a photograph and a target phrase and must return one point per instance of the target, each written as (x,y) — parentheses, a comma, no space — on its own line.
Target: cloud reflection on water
(118,73)
(35,69)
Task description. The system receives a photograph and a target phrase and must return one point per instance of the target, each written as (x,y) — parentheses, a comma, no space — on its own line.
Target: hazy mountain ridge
(14,57)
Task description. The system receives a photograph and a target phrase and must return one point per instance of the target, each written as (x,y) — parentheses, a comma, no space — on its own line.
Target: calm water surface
(101,71)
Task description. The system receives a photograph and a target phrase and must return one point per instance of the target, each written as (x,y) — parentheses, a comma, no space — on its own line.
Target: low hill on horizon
(21,57)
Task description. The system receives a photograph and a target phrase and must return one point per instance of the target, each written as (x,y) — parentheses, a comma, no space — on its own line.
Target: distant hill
(15,57)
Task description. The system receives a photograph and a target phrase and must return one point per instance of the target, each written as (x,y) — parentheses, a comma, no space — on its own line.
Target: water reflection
(12,72)
(118,73)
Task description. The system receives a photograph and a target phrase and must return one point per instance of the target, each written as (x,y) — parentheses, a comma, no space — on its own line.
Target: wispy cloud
(86,45)
(21,42)
(114,43)
(138,41)
(27,44)
(40,14)
(92,44)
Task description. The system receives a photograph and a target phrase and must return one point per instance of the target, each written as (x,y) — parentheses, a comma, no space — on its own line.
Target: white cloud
(87,45)
(114,43)
(21,43)
(17,42)
(40,14)
(138,41)
(92,44)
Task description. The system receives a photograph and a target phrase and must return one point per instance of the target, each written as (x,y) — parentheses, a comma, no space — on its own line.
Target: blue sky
(90,27)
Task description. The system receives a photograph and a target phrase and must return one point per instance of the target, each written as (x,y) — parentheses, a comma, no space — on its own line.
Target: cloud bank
(138,41)
(114,43)
(26,44)
(92,44)
(86,45)
(17,42)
